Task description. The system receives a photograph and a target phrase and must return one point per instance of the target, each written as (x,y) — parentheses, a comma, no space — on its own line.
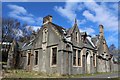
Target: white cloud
(31,28)
(88,30)
(21,13)
(105,14)
(69,11)
(17,9)
(102,15)
(36,27)
(89,16)
(112,39)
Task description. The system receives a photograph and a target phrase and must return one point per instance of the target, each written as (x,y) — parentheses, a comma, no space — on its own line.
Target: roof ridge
(57,25)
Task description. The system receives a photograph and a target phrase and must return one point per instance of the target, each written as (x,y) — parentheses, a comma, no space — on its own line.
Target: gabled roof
(59,28)
(95,40)
(27,45)
(70,31)
(83,33)
(20,44)
(90,42)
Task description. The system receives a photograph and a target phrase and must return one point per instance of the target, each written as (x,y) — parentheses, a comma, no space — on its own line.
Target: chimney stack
(101,31)
(47,19)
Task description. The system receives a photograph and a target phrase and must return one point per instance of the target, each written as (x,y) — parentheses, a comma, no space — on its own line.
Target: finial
(75,21)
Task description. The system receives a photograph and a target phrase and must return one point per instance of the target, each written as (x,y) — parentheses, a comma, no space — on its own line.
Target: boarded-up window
(74,56)
(54,56)
(29,58)
(93,59)
(36,57)
(79,58)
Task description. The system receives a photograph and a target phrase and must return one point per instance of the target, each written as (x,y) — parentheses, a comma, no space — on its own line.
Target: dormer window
(76,37)
(45,34)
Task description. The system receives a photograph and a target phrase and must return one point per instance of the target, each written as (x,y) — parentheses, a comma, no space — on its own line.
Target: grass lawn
(34,74)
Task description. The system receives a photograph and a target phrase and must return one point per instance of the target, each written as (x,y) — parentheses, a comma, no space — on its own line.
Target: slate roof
(70,30)
(59,28)
(95,40)
(20,44)
(27,46)
(88,44)
(83,33)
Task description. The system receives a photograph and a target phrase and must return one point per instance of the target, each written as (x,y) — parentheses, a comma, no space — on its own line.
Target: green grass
(33,74)
(28,74)
(82,75)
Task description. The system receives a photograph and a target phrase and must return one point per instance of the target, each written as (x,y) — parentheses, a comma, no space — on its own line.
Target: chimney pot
(101,30)
(47,19)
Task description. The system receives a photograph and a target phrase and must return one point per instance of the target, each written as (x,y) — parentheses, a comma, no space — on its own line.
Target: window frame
(80,58)
(28,58)
(73,58)
(35,57)
(51,56)
(77,58)
(77,36)
(94,61)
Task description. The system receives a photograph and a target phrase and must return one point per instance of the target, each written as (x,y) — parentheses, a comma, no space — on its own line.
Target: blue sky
(88,14)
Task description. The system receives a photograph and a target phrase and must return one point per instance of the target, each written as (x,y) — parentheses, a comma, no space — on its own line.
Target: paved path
(111,75)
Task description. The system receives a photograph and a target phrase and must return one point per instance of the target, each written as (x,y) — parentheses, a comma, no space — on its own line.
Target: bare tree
(9,29)
(12,29)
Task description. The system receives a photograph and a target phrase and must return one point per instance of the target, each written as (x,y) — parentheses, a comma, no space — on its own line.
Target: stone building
(57,50)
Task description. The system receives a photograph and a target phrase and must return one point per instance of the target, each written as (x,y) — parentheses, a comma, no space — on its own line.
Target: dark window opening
(29,58)
(54,56)
(36,57)
(93,59)
(76,36)
(79,58)
(74,56)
